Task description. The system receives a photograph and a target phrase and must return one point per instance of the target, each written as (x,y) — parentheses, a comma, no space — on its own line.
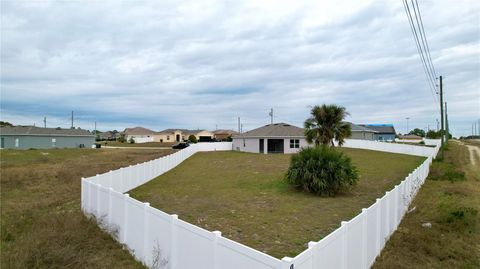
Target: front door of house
(261,145)
(3,143)
(177,138)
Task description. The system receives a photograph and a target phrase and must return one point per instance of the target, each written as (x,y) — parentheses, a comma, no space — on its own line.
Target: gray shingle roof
(32,130)
(138,131)
(221,131)
(287,130)
(359,128)
(381,128)
(185,131)
(274,130)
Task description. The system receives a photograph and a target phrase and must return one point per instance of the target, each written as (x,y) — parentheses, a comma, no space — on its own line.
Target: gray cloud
(200,63)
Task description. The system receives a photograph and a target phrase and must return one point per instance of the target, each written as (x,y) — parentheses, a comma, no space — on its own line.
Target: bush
(122,139)
(192,139)
(322,170)
(131,141)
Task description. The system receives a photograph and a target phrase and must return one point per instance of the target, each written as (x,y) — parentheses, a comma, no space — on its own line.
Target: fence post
(125,218)
(343,265)
(287,263)
(122,185)
(83,194)
(379,225)
(173,240)
(91,206)
(387,215)
(97,206)
(215,236)
(146,232)
(110,206)
(364,238)
(311,245)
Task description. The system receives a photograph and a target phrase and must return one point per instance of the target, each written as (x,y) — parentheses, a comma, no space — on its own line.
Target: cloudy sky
(202,64)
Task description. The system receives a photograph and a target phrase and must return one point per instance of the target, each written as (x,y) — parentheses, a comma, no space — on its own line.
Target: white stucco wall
(288,150)
(252,144)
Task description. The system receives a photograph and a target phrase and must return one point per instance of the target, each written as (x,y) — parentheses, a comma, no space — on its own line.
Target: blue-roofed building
(384,132)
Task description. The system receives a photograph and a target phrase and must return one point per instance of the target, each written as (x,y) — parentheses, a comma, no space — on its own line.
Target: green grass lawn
(42,225)
(451,203)
(244,196)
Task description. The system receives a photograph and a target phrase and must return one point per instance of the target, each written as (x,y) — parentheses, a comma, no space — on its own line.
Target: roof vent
(286,125)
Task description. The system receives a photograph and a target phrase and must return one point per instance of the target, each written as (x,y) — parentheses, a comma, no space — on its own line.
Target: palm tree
(326,125)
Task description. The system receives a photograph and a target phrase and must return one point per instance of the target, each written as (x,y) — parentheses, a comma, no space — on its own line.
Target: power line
(423,38)
(430,79)
(426,40)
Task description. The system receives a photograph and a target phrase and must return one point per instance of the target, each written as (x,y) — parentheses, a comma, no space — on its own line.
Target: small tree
(122,139)
(192,139)
(131,140)
(326,125)
(433,134)
(321,170)
(418,132)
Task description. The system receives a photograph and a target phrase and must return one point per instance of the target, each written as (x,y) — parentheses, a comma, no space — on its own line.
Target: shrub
(192,139)
(122,139)
(322,170)
(131,141)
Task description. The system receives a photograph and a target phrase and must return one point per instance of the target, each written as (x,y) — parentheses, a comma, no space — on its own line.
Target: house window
(168,137)
(16,142)
(294,143)
(54,142)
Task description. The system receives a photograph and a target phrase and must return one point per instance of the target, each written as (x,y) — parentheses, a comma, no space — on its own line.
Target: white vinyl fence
(160,240)
(416,150)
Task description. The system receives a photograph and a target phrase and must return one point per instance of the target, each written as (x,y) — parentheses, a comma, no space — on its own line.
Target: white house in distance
(284,138)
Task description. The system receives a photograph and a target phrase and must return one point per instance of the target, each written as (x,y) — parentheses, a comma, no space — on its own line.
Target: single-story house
(361,132)
(385,132)
(409,139)
(285,138)
(25,137)
(271,138)
(139,133)
(109,135)
(222,135)
(178,135)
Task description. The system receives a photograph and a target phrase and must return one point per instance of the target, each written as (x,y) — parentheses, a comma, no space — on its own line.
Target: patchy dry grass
(41,222)
(452,205)
(245,196)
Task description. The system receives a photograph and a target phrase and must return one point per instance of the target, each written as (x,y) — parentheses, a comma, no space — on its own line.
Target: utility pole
(44,122)
(442,132)
(72,120)
(271,115)
(239,131)
(216,127)
(241,128)
(95,132)
(446,124)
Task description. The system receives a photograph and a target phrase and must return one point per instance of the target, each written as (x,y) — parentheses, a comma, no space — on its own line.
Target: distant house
(385,132)
(410,139)
(222,135)
(25,137)
(361,132)
(178,135)
(139,134)
(271,138)
(109,135)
